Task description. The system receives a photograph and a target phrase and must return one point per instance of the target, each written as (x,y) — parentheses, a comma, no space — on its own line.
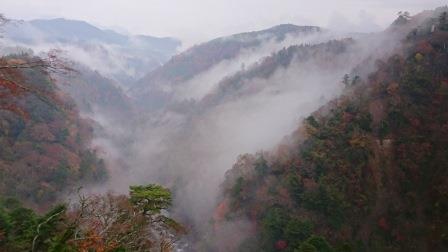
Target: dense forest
(45,143)
(366,172)
(45,153)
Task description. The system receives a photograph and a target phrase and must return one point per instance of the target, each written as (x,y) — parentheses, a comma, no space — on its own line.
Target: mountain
(191,142)
(45,143)
(225,55)
(244,83)
(348,134)
(105,104)
(124,58)
(94,93)
(365,172)
(102,63)
(50,117)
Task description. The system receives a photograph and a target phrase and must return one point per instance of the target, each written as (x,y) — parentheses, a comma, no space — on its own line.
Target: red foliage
(382,223)
(221,211)
(347,117)
(281,245)
(41,133)
(10,86)
(399,236)
(424,47)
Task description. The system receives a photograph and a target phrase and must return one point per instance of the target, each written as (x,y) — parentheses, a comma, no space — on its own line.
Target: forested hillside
(159,84)
(45,145)
(366,172)
(244,83)
(45,155)
(348,133)
(93,92)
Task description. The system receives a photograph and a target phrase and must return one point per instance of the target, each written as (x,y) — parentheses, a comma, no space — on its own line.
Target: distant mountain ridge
(156,87)
(65,30)
(124,58)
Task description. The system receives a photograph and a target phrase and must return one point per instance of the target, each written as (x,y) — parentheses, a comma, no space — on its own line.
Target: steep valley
(293,138)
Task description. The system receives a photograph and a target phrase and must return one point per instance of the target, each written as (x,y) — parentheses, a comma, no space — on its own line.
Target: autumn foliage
(367,171)
(45,144)
(101,223)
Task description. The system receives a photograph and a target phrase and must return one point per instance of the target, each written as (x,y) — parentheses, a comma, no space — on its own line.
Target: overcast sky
(198,20)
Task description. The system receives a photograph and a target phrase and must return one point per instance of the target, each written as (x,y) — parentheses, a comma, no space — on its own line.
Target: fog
(204,83)
(190,149)
(112,61)
(197,20)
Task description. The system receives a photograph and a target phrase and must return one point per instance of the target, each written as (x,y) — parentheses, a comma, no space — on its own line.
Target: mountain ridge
(365,172)
(124,58)
(182,67)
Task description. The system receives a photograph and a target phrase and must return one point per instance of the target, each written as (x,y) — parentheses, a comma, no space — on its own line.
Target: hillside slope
(190,144)
(158,87)
(45,145)
(124,58)
(366,172)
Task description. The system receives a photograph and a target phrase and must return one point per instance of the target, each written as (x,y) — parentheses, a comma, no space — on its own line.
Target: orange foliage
(221,211)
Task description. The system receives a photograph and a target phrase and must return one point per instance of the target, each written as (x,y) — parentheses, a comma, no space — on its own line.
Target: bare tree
(13,83)
(107,222)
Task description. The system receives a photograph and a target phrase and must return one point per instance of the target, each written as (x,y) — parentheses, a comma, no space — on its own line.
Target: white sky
(198,20)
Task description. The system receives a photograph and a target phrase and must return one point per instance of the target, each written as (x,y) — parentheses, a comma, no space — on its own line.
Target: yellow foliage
(15,62)
(359,141)
(310,130)
(419,57)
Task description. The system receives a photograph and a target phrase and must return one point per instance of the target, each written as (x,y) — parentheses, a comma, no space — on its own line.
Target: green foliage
(341,178)
(261,165)
(443,21)
(397,119)
(119,250)
(62,135)
(306,247)
(297,231)
(92,169)
(22,228)
(344,247)
(320,244)
(328,201)
(364,121)
(42,138)
(312,121)
(130,226)
(419,85)
(237,188)
(383,129)
(47,231)
(277,225)
(61,174)
(150,199)
(295,187)
(314,244)
(273,224)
